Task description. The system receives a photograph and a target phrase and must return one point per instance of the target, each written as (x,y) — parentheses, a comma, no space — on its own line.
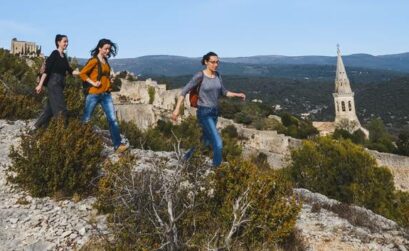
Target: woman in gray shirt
(210,90)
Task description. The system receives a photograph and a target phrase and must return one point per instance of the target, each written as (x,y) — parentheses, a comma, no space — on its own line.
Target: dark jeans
(55,103)
(207,117)
(105,99)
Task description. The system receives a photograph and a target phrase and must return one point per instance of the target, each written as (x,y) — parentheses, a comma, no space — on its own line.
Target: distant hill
(394,62)
(267,66)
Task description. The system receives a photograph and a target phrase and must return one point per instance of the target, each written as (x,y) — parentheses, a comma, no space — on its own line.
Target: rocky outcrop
(29,223)
(133,102)
(326,224)
(276,146)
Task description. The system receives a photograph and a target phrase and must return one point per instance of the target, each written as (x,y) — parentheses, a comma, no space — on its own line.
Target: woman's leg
(91,102)
(56,95)
(208,124)
(45,116)
(108,107)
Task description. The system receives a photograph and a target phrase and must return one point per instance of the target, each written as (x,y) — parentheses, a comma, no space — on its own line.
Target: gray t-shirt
(210,90)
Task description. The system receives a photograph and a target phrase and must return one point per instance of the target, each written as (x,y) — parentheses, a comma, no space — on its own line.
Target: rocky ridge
(327,224)
(29,223)
(45,224)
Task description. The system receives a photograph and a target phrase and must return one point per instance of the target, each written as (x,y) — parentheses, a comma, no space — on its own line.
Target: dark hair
(207,57)
(58,38)
(101,43)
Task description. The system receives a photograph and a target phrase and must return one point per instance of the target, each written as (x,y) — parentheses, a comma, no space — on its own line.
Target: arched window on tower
(343,106)
(349,106)
(337,106)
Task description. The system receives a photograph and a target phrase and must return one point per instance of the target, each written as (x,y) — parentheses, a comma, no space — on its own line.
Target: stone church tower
(345,114)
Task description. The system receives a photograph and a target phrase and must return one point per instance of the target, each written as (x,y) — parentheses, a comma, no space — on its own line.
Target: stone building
(24,48)
(345,113)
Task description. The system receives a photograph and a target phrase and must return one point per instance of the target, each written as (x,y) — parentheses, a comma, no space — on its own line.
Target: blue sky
(229,27)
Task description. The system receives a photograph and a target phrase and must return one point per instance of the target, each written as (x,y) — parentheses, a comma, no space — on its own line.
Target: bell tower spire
(345,114)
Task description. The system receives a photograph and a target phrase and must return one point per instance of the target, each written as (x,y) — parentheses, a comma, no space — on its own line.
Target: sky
(231,28)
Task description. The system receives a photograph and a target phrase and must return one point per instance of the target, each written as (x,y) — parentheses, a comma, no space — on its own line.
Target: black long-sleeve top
(57,64)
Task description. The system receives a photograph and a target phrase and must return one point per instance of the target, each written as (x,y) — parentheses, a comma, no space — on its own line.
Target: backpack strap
(99,64)
(199,81)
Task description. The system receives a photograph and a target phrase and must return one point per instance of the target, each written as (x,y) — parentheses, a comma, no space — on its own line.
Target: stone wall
(132,103)
(397,164)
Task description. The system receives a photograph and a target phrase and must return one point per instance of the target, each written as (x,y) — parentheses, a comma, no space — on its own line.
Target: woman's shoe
(121,148)
(189,153)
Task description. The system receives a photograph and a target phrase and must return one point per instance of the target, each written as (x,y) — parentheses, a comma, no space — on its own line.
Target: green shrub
(162,137)
(230,131)
(231,147)
(205,209)
(272,213)
(260,160)
(75,100)
(17,83)
(403,143)
(346,172)
(18,106)
(243,118)
(151,92)
(57,160)
(379,138)
(298,128)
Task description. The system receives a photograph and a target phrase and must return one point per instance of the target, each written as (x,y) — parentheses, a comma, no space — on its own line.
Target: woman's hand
(241,95)
(39,88)
(76,72)
(97,84)
(235,94)
(175,115)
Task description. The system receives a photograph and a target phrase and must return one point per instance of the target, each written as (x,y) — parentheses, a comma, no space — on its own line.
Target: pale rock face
(324,225)
(276,146)
(132,103)
(397,164)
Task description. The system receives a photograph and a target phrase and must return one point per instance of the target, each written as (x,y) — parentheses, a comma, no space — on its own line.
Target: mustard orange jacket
(90,70)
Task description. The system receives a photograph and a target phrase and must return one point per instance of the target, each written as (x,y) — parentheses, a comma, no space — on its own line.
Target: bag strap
(199,81)
(99,65)
(99,69)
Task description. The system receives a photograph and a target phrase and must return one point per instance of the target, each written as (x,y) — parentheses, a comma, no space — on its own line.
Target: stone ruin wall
(397,164)
(276,146)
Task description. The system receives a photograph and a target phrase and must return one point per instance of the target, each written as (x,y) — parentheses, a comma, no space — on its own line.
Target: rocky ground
(40,223)
(28,223)
(326,224)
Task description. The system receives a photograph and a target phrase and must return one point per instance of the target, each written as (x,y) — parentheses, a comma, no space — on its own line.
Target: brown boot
(121,148)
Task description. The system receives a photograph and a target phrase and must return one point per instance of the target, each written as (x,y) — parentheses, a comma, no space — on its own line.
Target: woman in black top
(56,68)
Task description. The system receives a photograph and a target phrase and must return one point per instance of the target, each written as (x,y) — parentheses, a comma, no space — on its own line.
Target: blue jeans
(207,117)
(105,99)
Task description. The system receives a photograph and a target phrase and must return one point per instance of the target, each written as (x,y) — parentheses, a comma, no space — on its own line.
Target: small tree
(151,92)
(379,138)
(403,143)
